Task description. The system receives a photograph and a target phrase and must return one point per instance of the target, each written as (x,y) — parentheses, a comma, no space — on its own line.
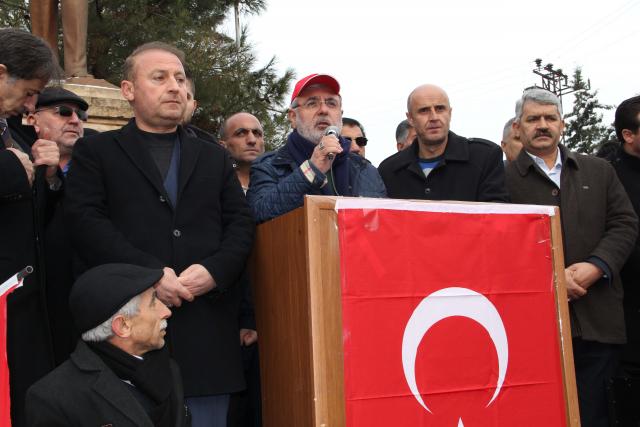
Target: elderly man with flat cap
(118,375)
(315,159)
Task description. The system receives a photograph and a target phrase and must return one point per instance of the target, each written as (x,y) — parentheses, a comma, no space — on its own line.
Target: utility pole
(554,80)
(236,10)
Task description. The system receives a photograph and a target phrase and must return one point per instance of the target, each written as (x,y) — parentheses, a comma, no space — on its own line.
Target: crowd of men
(152,224)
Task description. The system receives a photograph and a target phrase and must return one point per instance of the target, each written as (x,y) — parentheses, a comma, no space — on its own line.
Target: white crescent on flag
(438,306)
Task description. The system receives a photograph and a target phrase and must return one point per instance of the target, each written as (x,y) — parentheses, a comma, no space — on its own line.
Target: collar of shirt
(555,171)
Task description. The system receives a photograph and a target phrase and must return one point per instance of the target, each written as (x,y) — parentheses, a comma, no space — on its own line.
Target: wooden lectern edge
(564,323)
(326,310)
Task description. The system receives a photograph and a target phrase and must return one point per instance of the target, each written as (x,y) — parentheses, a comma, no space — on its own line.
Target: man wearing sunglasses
(353,132)
(314,159)
(58,119)
(59,116)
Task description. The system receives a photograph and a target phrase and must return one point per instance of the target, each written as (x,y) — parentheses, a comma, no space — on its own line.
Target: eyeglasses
(65,111)
(315,103)
(361,141)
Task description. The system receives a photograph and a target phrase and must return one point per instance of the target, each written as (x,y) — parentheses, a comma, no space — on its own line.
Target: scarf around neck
(151,376)
(301,149)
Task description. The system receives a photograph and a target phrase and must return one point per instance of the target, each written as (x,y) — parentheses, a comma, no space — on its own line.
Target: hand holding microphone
(326,149)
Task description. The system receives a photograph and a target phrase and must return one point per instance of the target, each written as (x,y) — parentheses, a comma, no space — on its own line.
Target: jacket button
(427,190)
(162,199)
(554,192)
(177,233)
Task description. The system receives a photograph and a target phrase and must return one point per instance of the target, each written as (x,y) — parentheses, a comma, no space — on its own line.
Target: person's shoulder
(268,157)
(590,161)
(61,378)
(394,161)
(360,161)
(99,139)
(196,132)
(482,144)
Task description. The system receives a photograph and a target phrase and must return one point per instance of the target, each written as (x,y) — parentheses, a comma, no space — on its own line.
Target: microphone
(332,130)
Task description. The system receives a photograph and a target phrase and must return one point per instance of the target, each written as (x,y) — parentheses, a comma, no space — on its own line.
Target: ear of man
(121,326)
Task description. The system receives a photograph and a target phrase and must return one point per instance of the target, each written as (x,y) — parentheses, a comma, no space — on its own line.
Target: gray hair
(402,131)
(507,128)
(539,96)
(103,331)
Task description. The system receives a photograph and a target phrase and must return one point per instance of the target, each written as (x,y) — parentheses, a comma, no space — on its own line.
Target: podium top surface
(432,206)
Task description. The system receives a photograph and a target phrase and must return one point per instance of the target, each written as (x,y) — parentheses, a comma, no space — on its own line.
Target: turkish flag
(449,315)
(5,401)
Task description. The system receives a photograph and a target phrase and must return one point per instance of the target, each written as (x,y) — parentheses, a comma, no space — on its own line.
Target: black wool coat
(83,391)
(628,169)
(597,221)
(117,210)
(472,171)
(22,216)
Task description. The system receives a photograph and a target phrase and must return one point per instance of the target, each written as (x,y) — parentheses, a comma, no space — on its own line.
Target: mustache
(543,132)
(163,324)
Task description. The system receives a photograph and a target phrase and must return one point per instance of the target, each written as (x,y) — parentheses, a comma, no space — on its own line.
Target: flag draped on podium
(449,315)
(5,402)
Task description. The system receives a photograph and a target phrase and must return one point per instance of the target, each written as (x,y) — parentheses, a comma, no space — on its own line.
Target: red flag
(449,315)
(5,402)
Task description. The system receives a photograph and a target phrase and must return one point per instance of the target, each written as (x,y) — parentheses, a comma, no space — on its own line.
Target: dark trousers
(595,364)
(245,408)
(625,388)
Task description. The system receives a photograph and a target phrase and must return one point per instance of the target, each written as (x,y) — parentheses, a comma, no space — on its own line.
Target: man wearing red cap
(315,159)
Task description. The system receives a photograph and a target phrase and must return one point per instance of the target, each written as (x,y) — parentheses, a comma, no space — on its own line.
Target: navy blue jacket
(279,186)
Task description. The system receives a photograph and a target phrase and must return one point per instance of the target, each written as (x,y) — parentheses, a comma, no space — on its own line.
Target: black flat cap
(55,95)
(100,292)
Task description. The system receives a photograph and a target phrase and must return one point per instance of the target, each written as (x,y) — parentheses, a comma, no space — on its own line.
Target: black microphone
(332,130)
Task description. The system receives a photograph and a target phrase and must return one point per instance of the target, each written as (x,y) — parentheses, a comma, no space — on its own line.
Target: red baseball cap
(315,79)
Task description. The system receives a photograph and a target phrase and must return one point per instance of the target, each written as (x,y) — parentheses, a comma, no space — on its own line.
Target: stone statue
(44,23)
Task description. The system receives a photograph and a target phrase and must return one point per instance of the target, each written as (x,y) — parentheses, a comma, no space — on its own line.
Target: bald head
(243,136)
(429,112)
(427,90)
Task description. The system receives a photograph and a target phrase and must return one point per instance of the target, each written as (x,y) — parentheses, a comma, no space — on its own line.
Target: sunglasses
(65,111)
(361,141)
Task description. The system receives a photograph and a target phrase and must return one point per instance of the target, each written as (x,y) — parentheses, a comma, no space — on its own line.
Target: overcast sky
(480,52)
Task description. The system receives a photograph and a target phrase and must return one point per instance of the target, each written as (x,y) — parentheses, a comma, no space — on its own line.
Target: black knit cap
(55,95)
(101,291)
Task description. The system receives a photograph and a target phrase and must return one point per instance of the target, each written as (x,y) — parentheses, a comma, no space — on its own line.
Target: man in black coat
(118,374)
(28,183)
(442,165)
(150,194)
(59,118)
(626,161)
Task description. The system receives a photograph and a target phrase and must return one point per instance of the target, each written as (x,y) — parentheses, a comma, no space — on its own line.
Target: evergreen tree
(584,131)
(227,78)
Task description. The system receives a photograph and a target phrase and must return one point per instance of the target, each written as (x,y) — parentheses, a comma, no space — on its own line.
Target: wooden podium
(296,280)
(296,272)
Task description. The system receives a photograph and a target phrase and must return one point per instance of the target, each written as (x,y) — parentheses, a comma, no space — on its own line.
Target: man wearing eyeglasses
(443,165)
(353,132)
(59,117)
(314,160)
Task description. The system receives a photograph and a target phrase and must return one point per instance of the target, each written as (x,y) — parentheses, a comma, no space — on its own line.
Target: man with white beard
(314,160)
